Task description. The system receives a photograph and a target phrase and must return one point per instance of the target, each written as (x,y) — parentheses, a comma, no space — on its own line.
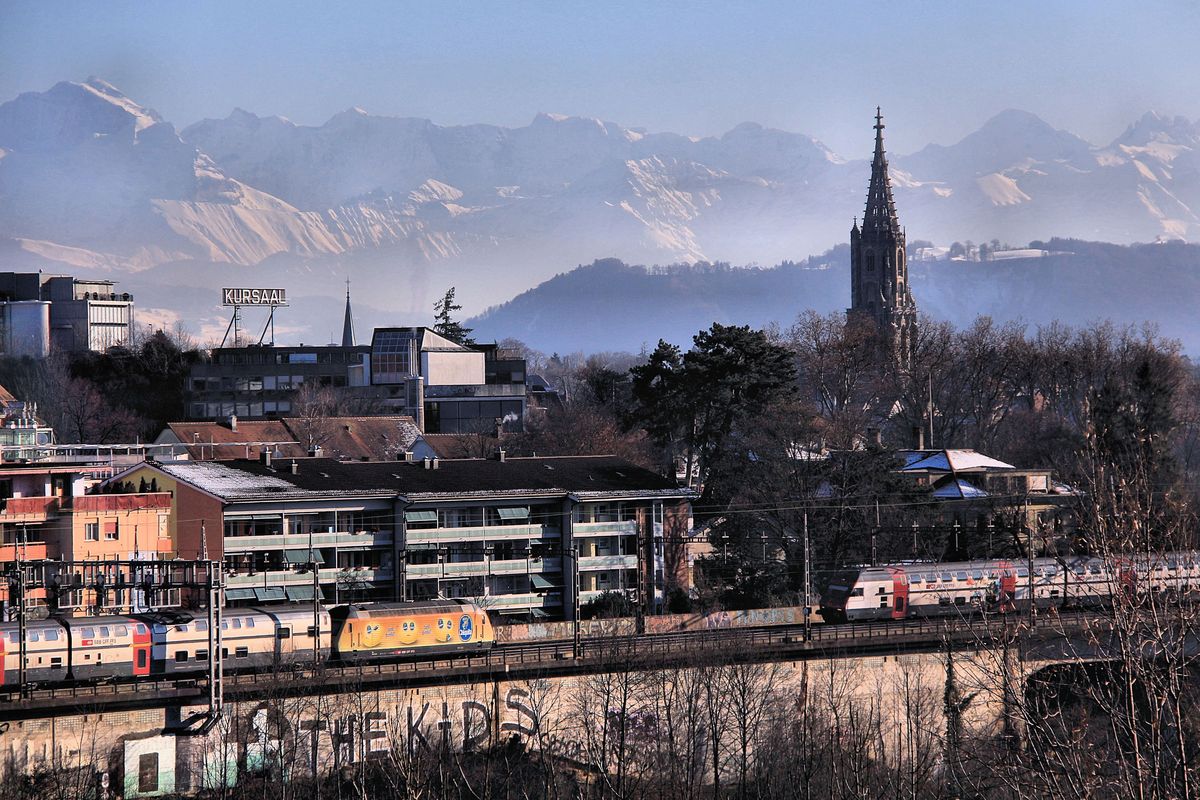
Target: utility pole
(807,582)
(312,562)
(575,599)
(874,537)
(1029,567)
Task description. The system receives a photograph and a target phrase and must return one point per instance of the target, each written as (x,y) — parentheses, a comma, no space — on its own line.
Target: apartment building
(524,537)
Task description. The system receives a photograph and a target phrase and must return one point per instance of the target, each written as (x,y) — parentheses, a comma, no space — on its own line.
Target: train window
(284,633)
(237,624)
(201,625)
(882,590)
(51,635)
(34,636)
(962,576)
(122,630)
(312,631)
(250,623)
(1093,569)
(55,661)
(181,628)
(224,652)
(141,657)
(977,575)
(202,655)
(181,656)
(946,576)
(224,624)
(1022,572)
(883,602)
(916,578)
(1054,592)
(856,592)
(141,629)
(242,652)
(943,601)
(960,601)
(899,603)
(86,633)
(12,637)
(105,632)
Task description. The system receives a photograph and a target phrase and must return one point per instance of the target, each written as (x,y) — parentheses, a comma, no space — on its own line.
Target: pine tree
(445,325)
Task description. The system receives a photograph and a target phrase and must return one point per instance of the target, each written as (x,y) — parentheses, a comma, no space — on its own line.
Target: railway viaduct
(554,693)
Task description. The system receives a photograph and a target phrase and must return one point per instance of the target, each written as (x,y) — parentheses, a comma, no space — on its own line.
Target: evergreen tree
(446,325)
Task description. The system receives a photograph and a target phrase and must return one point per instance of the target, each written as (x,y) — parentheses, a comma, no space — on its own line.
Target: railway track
(553,657)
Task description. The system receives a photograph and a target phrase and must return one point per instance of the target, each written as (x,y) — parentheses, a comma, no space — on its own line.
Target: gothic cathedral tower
(878,265)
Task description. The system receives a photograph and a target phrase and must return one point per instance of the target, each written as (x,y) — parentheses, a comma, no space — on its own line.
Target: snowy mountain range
(91,181)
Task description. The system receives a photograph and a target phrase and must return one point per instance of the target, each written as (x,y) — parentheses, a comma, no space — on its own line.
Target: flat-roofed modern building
(43,312)
(527,537)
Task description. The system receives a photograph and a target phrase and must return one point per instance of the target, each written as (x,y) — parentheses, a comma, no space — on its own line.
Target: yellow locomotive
(392,630)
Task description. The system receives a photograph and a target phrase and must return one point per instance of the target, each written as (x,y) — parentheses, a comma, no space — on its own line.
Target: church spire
(879,288)
(880,215)
(348,325)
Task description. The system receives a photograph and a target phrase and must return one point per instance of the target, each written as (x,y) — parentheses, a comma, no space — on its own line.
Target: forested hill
(609,305)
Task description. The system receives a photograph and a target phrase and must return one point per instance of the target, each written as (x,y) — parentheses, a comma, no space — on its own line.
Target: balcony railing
(626,528)
(608,562)
(456,569)
(280,577)
(523,600)
(29,509)
(358,539)
(480,533)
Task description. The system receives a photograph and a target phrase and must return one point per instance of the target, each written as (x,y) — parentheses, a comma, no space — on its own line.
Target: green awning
(542,582)
(420,516)
(269,594)
(302,556)
(302,593)
(513,513)
(239,594)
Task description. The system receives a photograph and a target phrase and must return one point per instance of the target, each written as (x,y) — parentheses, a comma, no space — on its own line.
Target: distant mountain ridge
(630,307)
(92,181)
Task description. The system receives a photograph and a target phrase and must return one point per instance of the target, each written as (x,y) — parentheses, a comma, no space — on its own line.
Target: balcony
(499,533)
(29,509)
(280,577)
(458,569)
(363,540)
(608,562)
(522,600)
(593,594)
(626,528)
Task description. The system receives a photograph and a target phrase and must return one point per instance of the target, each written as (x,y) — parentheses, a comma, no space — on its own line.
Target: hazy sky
(939,68)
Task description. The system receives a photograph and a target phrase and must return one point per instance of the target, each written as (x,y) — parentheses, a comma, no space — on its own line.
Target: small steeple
(348,325)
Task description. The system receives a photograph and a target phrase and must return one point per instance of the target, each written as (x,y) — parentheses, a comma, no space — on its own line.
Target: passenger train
(165,644)
(899,591)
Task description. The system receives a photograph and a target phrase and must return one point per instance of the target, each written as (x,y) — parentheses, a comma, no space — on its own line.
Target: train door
(141,649)
(3,657)
(899,594)
(1006,594)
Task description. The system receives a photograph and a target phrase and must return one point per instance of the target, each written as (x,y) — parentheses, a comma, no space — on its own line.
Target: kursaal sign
(253,297)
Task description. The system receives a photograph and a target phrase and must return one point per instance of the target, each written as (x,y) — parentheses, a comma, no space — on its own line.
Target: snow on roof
(958,488)
(229,483)
(954,461)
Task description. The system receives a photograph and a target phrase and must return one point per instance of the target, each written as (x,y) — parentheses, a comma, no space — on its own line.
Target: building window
(658,512)
(91,532)
(111,533)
